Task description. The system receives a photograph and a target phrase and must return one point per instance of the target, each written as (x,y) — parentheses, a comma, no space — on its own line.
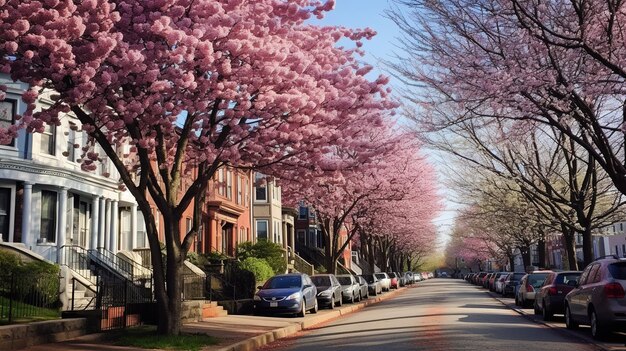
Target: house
(48,202)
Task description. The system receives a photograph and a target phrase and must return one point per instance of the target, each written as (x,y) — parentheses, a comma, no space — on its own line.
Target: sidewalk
(236,333)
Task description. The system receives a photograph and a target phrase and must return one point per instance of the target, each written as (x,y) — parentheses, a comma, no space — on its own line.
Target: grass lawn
(146,337)
(24,313)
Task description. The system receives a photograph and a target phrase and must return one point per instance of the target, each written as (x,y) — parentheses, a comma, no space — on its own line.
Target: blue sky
(367,13)
(371,13)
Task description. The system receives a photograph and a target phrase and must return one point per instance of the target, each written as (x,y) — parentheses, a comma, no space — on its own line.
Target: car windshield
(380,276)
(391,275)
(283,282)
(321,280)
(618,270)
(566,278)
(369,278)
(537,279)
(344,280)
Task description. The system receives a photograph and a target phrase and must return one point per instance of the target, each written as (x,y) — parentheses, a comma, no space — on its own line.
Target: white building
(47,201)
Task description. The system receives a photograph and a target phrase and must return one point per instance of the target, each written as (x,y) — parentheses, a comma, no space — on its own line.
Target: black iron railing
(26,297)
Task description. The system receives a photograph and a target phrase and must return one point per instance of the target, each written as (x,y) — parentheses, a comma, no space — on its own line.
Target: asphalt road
(439,314)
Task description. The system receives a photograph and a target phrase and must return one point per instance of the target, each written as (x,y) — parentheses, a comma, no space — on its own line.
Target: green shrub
(270,252)
(259,267)
(33,281)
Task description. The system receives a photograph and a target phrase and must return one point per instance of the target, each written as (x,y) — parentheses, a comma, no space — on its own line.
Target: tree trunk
(525,251)
(371,259)
(569,243)
(175,259)
(587,246)
(541,250)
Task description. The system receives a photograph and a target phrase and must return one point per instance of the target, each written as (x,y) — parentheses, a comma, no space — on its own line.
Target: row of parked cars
(297,293)
(595,296)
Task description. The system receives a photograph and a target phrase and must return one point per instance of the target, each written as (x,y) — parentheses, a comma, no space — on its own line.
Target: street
(439,314)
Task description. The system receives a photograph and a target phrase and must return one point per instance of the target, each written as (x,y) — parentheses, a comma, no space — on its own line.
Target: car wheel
(536,308)
(316,307)
(569,322)
(352,299)
(332,303)
(302,312)
(545,312)
(597,329)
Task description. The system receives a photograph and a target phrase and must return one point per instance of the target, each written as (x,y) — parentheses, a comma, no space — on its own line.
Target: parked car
(401,280)
(350,288)
(478,280)
(499,282)
(364,290)
(528,286)
(374,285)
(493,279)
(395,282)
(328,290)
(485,282)
(598,298)
(550,298)
(418,277)
(409,277)
(511,284)
(286,293)
(385,281)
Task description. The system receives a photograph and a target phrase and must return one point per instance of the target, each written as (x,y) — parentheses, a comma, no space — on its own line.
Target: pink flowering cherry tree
(349,181)
(192,86)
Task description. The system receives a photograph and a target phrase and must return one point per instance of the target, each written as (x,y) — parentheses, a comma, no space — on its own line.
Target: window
(7,114)
(47,145)
(261,230)
(229,185)
(302,212)
(260,188)
(623,250)
(277,238)
(220,182)
(621,227)
(187,225)
(247,192)
(47,232)
(71,138)
(5,214)
(239,190)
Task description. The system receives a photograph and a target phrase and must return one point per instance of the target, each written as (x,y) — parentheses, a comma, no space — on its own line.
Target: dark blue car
(286,294)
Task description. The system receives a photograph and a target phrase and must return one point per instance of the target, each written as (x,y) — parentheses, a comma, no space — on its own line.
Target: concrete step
(212,309)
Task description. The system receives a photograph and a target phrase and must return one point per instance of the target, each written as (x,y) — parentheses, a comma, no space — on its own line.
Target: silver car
(598,298)
(385,281)
(350,288)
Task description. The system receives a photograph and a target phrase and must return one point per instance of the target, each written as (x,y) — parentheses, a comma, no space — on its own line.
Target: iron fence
(27,296)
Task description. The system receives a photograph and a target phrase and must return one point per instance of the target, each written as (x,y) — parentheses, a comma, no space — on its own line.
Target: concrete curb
(309,321)
(560,329)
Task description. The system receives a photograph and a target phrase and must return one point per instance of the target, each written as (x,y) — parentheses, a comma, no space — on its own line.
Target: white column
(101,224)
(62,223)
(95,222)
(114,224)
(107,224)
(133,226)
(26,213)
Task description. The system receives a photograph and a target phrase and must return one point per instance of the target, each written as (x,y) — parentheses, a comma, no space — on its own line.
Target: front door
(5,212)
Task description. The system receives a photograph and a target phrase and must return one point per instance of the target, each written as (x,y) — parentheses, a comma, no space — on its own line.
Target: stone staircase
(211,309)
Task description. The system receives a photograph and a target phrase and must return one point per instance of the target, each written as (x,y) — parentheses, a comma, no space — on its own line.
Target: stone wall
(192,311)
(18,336)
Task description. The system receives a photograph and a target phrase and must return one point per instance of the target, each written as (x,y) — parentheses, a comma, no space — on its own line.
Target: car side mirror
(259,287)
(572,283)
(306,286)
